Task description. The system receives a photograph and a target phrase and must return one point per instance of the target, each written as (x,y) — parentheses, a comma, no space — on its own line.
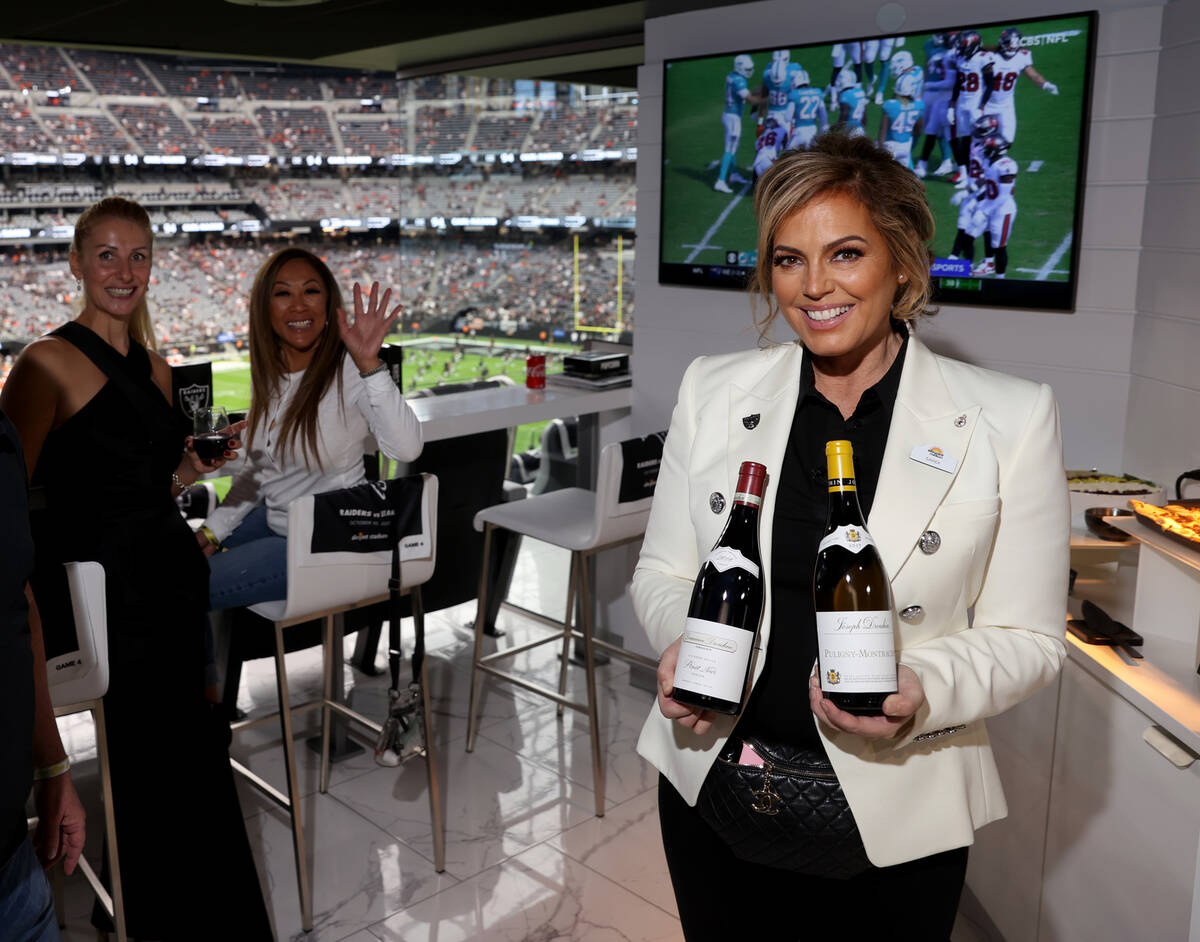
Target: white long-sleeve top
(372,406)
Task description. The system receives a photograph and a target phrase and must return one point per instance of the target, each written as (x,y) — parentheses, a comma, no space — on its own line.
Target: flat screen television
(1033,76)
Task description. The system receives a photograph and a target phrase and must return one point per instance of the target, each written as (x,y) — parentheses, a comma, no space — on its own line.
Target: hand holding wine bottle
(697,719)
(898,708)
(713,657)
(858,686)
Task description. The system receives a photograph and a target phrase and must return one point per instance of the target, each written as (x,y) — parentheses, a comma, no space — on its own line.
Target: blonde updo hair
(117,207)
(892,195)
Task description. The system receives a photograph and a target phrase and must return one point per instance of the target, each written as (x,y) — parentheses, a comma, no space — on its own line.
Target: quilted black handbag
(789,812)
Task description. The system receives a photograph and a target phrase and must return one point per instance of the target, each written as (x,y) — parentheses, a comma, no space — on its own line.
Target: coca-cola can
(535,371)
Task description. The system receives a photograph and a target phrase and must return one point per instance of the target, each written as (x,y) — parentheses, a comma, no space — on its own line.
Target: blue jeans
(26,904)
(253,566)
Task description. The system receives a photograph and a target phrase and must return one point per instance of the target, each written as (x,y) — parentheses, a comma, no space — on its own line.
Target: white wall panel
(1181,22)
(1167,349)
(1124,85)
(1169,282)
(1134,28)
(1119,150)
(1176,151)
(1108,279)
(1162,436)
(1177,72)
(1112,215)
(1172,215)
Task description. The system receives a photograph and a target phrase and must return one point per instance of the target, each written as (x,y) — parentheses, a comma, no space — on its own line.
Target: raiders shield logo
(193,398)
(750,421)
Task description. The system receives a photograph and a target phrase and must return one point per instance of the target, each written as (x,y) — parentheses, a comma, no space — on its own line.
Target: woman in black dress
(93,408)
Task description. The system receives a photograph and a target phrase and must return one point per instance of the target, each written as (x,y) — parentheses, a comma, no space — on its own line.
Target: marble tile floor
(526,859)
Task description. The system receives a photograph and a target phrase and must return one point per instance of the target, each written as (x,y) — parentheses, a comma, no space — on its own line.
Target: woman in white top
(318,392)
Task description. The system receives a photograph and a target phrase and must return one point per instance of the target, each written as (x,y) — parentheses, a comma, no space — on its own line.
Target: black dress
(186,866)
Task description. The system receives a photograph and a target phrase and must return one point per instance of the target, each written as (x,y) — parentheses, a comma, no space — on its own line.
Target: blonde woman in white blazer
(975,544)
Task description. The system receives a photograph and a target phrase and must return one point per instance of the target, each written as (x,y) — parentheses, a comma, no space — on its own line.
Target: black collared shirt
(778,707)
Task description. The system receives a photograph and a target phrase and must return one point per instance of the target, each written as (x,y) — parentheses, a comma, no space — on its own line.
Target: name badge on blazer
(935,457)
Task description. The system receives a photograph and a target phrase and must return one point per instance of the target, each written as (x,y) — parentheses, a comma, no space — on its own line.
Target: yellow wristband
(211,537)
(52,771)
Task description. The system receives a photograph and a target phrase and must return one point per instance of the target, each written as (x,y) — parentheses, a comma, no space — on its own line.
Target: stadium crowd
(199,290)
(122,104)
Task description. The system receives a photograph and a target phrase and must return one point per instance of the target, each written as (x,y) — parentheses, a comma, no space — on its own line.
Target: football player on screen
(878,50)
(768,146)
(940,76)
(902,118)
(809,116)
(737,96)
(852,102)
(971,61)
(967,200)
(776,89)
(838,53)
(997,209)
(1010,62)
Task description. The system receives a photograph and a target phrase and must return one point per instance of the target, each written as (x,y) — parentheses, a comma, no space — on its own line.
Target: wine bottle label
(726,557)
(856,652)
(713,659)
(851,538)
(745,497)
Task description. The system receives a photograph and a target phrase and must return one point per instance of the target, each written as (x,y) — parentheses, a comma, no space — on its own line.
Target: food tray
(1170,534)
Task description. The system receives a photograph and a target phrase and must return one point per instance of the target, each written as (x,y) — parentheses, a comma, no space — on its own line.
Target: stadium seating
(237,135)
(86,133)
(156,128)
(41,67)
(296,131)
(112,73)
(125,107)
(376,137)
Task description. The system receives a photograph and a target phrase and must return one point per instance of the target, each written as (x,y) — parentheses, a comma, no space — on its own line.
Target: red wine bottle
(856,643)
(723,618)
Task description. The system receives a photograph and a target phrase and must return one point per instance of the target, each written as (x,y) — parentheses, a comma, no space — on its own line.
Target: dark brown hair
(892,195)
(268,366)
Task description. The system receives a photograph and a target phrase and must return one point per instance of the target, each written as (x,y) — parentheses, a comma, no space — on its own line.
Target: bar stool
(324,585)
(78,680)
(586,523)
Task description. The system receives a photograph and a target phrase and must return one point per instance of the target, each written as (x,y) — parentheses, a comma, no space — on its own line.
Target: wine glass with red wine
(211,434)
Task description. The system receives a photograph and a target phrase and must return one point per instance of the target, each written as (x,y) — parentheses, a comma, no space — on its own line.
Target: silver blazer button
(930,542)
(912,612)
(716,502)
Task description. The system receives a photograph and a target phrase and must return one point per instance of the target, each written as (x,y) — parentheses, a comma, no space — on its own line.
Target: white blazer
(992,598)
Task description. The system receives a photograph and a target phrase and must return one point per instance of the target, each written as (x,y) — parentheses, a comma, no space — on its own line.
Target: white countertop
(482,410)
(1163,684)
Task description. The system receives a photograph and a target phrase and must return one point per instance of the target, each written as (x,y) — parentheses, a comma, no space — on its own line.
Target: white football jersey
(970,78)
(976,162)
(1005,73)
(995,189)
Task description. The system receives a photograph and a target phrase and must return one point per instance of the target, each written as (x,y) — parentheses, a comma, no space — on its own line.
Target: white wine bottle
(723,618)
(856,643)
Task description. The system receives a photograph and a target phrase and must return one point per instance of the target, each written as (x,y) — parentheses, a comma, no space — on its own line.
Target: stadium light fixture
(276,3)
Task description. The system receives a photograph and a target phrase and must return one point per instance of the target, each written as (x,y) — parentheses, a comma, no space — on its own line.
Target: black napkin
(1100,622)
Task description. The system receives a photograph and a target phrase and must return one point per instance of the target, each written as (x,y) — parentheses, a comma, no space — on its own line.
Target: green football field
(423,367)
(700,225)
